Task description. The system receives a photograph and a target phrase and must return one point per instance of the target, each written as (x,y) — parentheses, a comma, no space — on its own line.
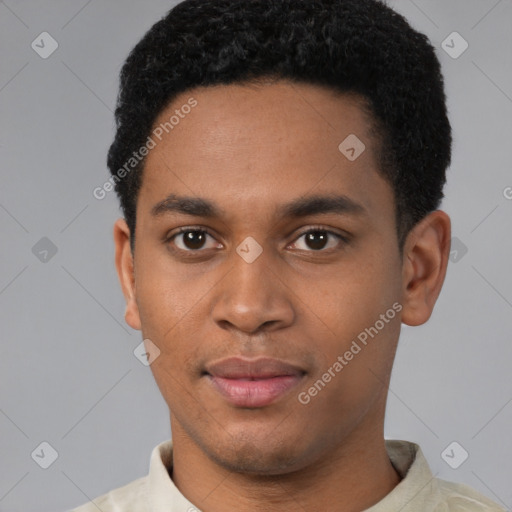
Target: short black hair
(360,47)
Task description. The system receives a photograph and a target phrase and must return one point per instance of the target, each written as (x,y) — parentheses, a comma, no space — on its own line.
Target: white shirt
(418,491)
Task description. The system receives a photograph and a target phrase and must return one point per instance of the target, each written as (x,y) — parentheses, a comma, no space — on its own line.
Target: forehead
(242,116)
(263,144)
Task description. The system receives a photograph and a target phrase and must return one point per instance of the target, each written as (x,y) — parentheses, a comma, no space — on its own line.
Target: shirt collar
(418,489)
(164,496)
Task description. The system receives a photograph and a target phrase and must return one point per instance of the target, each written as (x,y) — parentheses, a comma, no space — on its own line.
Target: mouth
(253,383)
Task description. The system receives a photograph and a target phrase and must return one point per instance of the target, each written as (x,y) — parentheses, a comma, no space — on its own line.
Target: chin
(249,460)
(256,455)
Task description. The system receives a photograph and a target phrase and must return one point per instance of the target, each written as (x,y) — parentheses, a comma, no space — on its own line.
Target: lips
(253,383)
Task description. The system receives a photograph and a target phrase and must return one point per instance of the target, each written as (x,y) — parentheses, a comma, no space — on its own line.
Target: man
(280,164)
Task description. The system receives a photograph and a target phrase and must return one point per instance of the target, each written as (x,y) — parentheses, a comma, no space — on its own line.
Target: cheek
(171,309)
(359,306)
(352,296)
(166,294)
(176,368)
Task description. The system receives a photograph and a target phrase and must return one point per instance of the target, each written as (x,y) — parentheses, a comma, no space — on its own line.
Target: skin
(249,150)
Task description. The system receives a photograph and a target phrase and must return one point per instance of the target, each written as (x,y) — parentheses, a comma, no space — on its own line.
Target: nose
(252,297)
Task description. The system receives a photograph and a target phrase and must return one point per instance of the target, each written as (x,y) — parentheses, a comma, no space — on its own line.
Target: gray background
(68,373)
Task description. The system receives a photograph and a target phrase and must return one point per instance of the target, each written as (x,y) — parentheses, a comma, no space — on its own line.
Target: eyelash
(314,229)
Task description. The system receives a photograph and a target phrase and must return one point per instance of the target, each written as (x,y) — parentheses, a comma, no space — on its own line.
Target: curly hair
(360,47)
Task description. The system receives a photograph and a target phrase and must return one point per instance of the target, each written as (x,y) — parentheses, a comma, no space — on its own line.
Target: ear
(425,258)
(125,272)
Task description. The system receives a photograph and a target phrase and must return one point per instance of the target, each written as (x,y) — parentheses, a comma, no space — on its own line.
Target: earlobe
(125,271)
(425,260)
(131,315)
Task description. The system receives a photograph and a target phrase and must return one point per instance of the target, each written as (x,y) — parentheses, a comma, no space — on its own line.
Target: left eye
(317,239)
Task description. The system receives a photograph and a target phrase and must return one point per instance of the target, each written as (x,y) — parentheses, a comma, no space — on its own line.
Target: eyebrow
(301,207)
(313,205)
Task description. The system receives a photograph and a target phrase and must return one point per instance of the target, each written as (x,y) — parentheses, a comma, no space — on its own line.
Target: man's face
(218,310)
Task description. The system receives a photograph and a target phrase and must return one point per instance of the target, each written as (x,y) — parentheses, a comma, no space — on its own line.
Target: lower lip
(254,393)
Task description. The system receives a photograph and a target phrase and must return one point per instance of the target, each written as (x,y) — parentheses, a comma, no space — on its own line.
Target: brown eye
(192,240)
(317,240)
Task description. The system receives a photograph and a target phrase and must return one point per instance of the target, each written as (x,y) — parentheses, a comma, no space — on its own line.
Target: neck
(349,478)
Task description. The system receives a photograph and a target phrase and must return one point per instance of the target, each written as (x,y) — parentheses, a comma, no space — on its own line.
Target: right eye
(192,240)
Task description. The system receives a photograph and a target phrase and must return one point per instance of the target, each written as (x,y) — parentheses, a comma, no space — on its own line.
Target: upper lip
(260,368)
